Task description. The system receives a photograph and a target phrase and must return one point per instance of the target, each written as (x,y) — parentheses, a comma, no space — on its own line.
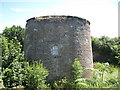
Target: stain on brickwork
(57,41)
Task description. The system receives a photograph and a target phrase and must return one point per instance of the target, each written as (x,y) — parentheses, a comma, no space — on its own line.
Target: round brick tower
(57,41)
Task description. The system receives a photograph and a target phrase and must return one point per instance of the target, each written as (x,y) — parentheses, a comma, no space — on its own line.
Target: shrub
(31,76)
(77,69)
(11,51)
(14,74)
(62,83)
(35,76)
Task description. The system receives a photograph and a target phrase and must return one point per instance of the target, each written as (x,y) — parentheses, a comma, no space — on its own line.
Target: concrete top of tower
(59,17)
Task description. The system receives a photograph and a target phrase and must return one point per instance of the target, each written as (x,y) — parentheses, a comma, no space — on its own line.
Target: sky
(102,14)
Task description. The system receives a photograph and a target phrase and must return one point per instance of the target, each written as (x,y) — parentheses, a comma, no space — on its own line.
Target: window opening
(54,50)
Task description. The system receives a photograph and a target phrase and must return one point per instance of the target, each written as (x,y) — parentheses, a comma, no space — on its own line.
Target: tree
(14,31)
(107,47)
(11,50)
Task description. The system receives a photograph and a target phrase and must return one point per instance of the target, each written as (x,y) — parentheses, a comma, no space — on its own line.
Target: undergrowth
(33,76)
(104,76)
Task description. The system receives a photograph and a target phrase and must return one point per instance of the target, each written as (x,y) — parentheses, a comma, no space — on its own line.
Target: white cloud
(18,9)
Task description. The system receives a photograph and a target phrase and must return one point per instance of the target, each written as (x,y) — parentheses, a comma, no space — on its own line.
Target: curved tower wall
(57,41)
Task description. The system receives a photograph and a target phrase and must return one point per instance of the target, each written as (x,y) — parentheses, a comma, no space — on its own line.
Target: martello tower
(57,41)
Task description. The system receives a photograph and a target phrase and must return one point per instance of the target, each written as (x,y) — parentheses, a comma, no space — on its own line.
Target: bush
(35,76)
(14,31)
(14,74)
(62,83)
(31,76)
(11,51)
(77,69)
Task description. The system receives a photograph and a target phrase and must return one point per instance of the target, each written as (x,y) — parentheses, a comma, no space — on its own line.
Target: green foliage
(14,68)
(14,31)
(104,76)
(80,82)
(85,83)
(14,73)
(11,51)
(12,55)
(62,83)
(77,69)
(31,76)
(99,71)
(102,66)
(36,75)
(107,47)
(18,72)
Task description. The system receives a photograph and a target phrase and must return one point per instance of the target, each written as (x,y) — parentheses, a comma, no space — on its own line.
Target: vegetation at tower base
(105,76)
(15,68)
(35,76)
(77,69)
(31,76)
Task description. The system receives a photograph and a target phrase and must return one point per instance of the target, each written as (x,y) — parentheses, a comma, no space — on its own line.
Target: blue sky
(103,14)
